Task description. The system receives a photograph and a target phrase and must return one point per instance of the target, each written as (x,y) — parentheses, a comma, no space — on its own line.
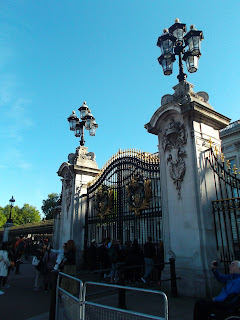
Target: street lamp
(11,202)
(9,222)
(174,43)
(86,121)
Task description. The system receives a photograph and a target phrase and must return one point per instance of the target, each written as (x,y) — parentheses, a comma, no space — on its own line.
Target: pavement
(21,302)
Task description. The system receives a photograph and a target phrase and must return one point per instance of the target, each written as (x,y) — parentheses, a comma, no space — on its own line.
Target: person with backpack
(19,251)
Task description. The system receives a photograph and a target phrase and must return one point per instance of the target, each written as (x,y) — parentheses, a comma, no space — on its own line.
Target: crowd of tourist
(111,255)
(45,259)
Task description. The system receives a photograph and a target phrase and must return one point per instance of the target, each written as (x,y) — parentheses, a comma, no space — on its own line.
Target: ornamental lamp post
(9,222)
(86,121)
(11,202)
(174,43)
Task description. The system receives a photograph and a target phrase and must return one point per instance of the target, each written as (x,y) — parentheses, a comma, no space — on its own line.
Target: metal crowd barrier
(68,304)
(91,306)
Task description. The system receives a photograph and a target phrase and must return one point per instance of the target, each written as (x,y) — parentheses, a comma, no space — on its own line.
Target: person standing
(149,254)
(4,264)
(48,263)
(92,255)
(69,267)
(19,250)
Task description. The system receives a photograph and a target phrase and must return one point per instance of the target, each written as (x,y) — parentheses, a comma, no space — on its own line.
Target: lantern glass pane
(88,124)
(192,63)
(72,124)
(78,132)
(178,33)
(194,45)
(167,48)
(92,131)
(83,113)
(167,66)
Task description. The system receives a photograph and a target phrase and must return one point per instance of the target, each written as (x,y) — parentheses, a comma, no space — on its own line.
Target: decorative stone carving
(184,93)
(174,138)
(82,153)
(203,95)
(68,184)
(166,99)
(71,158)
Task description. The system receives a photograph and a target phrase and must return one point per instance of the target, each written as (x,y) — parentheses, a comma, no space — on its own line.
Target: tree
(49,204)
(23,215)
(3,217)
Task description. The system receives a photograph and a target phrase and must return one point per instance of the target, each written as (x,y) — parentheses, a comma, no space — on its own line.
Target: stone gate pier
(76,173)
(185,123)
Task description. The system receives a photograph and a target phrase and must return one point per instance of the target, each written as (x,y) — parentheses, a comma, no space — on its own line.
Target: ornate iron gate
(226,207)
(123,201)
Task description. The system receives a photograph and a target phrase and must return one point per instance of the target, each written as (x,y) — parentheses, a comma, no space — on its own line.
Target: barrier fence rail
(82,304)
(123,269)
(101,311)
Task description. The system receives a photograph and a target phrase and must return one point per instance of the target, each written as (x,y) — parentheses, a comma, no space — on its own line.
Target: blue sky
(56,54)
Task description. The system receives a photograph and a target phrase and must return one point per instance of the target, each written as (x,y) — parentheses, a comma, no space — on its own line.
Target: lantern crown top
(12,200)
(177,20)
(165,30)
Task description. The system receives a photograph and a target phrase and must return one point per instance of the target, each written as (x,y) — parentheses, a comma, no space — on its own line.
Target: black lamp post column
(9,222)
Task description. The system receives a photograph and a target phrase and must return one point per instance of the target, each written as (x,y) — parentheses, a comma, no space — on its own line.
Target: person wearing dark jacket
(225,302)
(92,255)
(149,254)
(69,267)
(134,260)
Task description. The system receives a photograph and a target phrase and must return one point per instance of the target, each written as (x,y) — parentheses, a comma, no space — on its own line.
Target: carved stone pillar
(80,169)
(184,123)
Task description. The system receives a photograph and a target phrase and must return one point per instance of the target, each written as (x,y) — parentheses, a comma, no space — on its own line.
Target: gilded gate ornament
(139,194)
(104,201)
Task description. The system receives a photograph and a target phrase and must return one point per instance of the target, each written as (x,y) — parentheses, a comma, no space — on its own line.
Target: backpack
(20,247)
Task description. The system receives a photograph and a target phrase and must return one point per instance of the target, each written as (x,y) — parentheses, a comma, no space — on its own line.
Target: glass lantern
(11,201)
(177,30)
(93,128)
(88,121)
(78,129)
(167,64)
(72,119)
(191,61)
(84,110)
(166,43)
(193,40)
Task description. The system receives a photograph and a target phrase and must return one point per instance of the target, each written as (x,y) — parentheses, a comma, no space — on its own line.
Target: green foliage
(49,204)
(22,215)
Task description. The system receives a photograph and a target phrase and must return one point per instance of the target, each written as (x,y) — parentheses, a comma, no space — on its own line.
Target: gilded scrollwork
(104,201)
(139,194)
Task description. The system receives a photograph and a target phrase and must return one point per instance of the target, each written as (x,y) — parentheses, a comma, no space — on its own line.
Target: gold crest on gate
(139,194)
(104,201)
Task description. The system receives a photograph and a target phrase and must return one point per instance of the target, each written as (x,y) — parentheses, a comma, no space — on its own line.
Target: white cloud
(24,165)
